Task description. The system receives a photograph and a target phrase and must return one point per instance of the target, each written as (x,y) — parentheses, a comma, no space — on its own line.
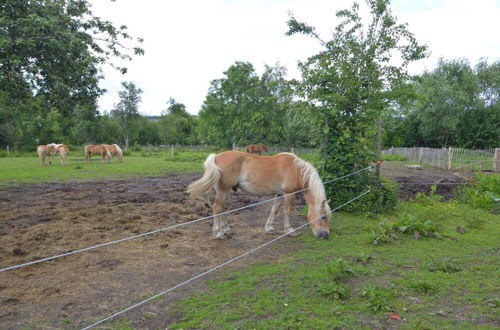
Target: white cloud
(190,43)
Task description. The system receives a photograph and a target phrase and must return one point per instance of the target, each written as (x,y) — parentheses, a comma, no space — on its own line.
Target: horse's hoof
(293,234)
(271,231)
(228,232)
(220,235)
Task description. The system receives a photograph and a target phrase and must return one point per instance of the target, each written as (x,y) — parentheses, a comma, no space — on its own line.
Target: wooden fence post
(450,158)
(8,151)
(496,160)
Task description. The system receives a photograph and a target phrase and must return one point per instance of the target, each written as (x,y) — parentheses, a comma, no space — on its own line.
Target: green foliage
(244,108)
(127,109)
(412,224)
(339,271)
(393,157)
(382,233)
(446,266)
(378,298)
(51,52)
(453,105)
(177,126)
(350,83)
(424,287)
(381,199)
(484,193)
(334,291)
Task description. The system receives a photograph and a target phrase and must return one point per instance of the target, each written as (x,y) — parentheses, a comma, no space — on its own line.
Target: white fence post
(450,158)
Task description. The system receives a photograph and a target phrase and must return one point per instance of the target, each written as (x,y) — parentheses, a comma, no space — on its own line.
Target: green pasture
(447,281)
(26,168)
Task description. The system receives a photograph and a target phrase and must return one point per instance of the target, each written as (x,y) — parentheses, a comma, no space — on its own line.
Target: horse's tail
(209,179)
(119,152)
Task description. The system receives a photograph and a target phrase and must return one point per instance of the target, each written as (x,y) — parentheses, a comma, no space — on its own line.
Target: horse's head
(319,219)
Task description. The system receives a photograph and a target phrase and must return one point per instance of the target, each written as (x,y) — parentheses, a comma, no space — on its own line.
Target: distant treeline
(51,52)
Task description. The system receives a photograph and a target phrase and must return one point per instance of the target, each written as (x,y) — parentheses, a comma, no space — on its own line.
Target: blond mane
(310,178)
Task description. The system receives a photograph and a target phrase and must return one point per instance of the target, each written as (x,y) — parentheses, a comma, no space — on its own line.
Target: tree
(126,111)
(243,108)
(454,105)
(50,55)
(176,125)
(350,83)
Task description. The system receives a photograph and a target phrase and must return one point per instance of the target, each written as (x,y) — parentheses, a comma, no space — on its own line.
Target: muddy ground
(42,220)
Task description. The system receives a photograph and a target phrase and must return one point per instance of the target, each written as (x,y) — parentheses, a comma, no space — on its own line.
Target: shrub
(484,194)
(334,291)
(382,198)
(3,153)
(393,157)
(446,266)
(411,224)
(422,286)
(127,153)
(339,271)
(383,233)
(378,297)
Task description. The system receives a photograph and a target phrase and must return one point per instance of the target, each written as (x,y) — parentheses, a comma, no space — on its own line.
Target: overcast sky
(189,43)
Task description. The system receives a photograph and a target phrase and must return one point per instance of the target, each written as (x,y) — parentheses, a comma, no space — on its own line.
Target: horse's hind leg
(289,204)
(220,224)
(269,227)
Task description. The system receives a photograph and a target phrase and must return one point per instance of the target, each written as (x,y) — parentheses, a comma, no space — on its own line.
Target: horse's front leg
(289,205)
(269,227)
(220,224)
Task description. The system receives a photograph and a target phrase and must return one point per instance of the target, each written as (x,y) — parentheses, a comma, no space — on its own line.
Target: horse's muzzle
(322,234)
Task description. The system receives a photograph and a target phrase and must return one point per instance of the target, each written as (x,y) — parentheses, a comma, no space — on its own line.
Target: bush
(382,198)
(334,291)
(378,297)
(3,153)
(339,271)
(127,153)
(393,157)
(484,194)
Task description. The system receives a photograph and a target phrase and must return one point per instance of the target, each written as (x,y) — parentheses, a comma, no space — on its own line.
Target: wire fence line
(219,266)
(169,227)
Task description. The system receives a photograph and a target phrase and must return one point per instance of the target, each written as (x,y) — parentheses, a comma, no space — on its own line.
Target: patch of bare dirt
(412,181)
(42,220)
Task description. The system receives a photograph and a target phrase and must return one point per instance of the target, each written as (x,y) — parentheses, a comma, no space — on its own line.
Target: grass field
(371,273)
(26,168)
(348,282)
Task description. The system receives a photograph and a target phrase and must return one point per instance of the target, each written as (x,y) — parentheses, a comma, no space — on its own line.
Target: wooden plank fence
(453,159)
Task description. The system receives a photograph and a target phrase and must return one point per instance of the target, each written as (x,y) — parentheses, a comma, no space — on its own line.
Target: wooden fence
(456,159)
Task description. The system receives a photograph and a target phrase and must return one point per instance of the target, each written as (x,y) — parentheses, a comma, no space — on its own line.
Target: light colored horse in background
(51,149)
(101,150)
(279,174)
(114,149)
(256,148)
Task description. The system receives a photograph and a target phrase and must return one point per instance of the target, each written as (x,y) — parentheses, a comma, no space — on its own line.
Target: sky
(189,43)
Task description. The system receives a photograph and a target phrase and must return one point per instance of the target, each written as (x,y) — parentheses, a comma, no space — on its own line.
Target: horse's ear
(323,203)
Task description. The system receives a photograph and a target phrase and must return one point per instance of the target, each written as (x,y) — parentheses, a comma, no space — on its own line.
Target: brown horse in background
(256,148)
(280,174)
(101,149)
(115,150)
(49,150)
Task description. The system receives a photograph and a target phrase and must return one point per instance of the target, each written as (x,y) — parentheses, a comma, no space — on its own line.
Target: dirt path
(42,220)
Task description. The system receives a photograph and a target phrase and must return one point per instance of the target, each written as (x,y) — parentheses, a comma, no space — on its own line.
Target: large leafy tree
(176,125)
(351,82)
(243,108)
(127,109)
(50,53)
(454,105)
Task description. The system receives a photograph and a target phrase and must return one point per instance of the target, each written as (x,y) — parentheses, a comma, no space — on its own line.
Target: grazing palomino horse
(101,149)
(49,150)
(280,174)
(114,149)
(256,148)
